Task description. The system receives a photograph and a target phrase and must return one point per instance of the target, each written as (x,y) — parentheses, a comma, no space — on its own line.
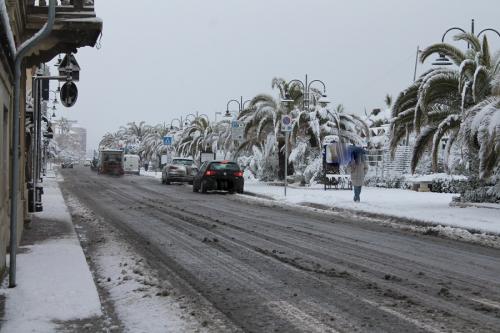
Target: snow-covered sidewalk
(54,283)
(154,174)
(427,207)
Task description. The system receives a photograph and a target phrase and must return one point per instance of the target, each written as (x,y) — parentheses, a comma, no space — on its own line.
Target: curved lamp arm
(204,116)
(451,29)
(245,102)
(489,29)
(233,100)
(171,123)
(310,83)
(190,115)
(302,83)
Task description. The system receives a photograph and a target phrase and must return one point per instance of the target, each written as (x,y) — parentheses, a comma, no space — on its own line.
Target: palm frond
(450,123)
(471,39)
(421,144)
(486,60)
(466,72)
(480,86)
(406,99)
(451,140)
(448,50)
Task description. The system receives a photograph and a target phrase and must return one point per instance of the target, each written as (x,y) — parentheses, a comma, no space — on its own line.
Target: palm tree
(198,137)
(434,105)
(152,146)
(480,129)
(110,140)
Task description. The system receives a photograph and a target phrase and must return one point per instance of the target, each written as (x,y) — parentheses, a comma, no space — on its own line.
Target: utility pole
(287,135)
(416,64)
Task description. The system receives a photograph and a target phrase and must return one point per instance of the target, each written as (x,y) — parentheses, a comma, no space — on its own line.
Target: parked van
(131,163)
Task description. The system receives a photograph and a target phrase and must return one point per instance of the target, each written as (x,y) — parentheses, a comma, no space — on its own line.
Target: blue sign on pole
(168,140)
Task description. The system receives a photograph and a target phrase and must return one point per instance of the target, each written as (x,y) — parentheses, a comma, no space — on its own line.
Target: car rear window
(183,162)
(224,166)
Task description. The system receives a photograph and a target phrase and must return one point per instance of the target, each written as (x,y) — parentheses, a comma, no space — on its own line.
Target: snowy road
(273,269)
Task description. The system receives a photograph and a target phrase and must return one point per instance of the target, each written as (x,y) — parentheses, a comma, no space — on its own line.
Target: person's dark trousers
(357,192)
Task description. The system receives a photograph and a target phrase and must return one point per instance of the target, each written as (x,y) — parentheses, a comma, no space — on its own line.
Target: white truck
(131,164)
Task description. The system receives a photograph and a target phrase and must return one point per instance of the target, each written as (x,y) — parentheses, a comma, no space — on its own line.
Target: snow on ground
(143,302)
(433,176)
(54,282)
(154,174)
(420,206)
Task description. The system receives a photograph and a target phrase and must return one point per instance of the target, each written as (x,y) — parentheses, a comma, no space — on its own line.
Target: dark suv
(219,176)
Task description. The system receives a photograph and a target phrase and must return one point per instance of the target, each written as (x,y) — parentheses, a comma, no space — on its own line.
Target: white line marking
(415,322)
(299,318)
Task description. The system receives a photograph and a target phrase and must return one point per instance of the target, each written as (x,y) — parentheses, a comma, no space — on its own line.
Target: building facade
(76,26)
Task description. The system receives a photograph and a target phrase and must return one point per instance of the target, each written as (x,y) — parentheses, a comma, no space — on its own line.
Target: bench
(421,185)
(338,181)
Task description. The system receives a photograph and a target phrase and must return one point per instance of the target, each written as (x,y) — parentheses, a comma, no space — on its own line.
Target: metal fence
(383,166)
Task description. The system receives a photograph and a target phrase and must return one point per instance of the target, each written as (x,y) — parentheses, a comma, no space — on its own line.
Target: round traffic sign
(287,120)
(69,94)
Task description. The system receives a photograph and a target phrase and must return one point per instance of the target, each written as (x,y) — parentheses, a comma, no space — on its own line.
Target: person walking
(358,169)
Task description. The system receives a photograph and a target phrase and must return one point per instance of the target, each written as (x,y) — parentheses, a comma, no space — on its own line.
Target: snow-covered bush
(388,182)
(478,190)
(262,162)
(305,158)
(314,170)
(446,185)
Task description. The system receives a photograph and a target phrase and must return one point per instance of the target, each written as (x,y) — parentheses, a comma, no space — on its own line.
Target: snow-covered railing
(75,4)
(66,9)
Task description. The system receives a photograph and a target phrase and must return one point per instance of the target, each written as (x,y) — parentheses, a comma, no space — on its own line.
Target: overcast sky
(163,59)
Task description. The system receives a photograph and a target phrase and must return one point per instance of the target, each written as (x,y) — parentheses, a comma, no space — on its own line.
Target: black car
(219,176)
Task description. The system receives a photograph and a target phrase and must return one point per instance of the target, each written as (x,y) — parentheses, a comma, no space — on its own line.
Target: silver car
(181,170)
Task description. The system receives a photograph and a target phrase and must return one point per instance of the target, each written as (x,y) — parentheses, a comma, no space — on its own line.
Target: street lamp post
(190,115)
(443,60)
(231,114)
(306,87)
(55,92)
(306,100)
(172,122)
(241,104)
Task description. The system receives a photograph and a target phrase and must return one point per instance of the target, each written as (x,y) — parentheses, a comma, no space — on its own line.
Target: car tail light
(210,173)
(238,174)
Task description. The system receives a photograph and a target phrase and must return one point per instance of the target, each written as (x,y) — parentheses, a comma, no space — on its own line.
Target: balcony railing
(65,8)
(69,4)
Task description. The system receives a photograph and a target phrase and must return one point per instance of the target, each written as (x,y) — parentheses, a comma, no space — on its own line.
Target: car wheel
(195,189)
(167,181)
(163,181)
(203,186)
(240,191)
(190,183)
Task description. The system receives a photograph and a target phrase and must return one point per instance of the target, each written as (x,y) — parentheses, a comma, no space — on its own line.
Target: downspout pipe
(4,19)
(21,53)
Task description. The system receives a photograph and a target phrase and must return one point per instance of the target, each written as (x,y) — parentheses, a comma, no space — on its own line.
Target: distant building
(81,136)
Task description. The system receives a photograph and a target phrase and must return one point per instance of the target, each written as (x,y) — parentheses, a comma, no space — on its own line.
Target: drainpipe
(21,53)
(4,19)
